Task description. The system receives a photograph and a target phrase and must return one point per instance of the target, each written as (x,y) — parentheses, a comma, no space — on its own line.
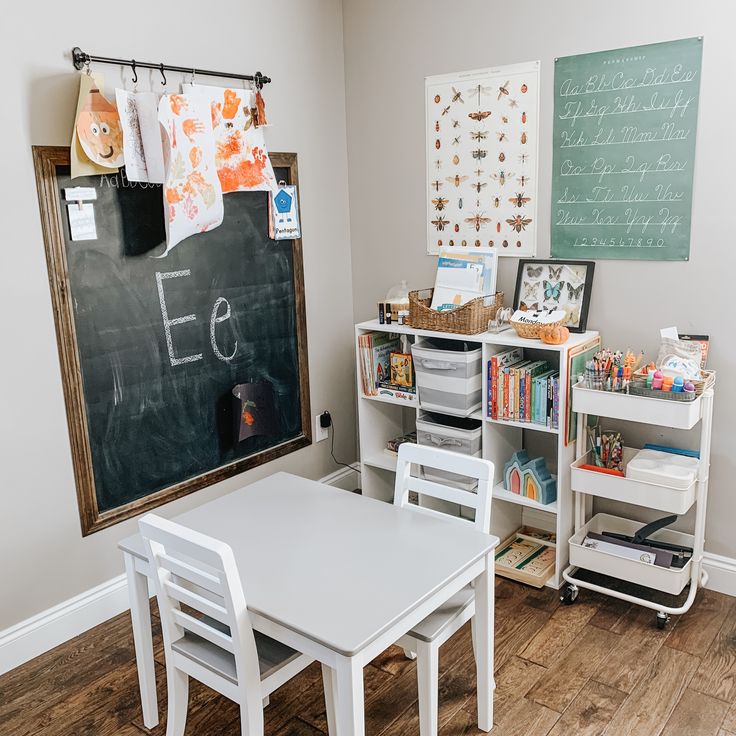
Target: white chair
(427,637)
(217,645)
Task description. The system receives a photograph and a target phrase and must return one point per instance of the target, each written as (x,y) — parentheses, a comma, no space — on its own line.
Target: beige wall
(43,558)
(391,46)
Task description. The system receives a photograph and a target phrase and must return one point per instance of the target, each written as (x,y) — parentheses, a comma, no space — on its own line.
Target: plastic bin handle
(444,441)
(438,365)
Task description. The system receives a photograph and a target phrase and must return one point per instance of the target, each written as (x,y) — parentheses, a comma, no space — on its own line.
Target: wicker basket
(470,319)
(708,379)
(531,332)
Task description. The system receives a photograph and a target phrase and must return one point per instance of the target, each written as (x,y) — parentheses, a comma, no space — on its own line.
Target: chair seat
(431,627)
(272,654)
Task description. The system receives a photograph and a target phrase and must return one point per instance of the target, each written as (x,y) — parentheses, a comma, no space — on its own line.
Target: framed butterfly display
(556,285)
(481,143)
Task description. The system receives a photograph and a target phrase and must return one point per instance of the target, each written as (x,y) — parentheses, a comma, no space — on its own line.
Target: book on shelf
(375,350)
(392,446)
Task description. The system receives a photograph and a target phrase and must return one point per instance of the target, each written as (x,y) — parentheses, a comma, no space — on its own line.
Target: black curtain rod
(81,58)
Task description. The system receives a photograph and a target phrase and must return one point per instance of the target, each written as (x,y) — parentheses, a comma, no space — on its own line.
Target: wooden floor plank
(695,632)
(610,612)
(696,715)
(717,674)
(590,712)
(647,709)
(729,721)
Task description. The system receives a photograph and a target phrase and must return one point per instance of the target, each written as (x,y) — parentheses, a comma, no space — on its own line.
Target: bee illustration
(498,227)
(519,200)
(502,176)
(228,124)
(455,123)
(505,243)
(479,135)
(501,136)
(451,243)
(456,159)
(518,222)
(518,243)
(523,180)
(504,119)
(502,157)
(464,243)
(446,110)
(478,172)
(460,203)
(523,158)
(523,117)
(438,163)
(439,242)
(440,203)
(479,185)
(437,144)
(513,103)
(479,90)
(477,243)
(496,201)
(440,223)
(456,141)
(437,98)
(436,184)
(457,180)
(437,126)
(457,228)
(524,88)
(479,154)
(480,115)
(490,244)
(457,96)
(503,90)
(523,137)
(478,220)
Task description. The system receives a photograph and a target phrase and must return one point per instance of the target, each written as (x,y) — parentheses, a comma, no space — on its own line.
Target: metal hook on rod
(135,73)
(161,69)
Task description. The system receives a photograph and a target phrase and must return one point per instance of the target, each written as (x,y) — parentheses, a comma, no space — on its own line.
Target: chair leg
(178,694)
(428,684)
(409,654)
(472,636)
(328,681)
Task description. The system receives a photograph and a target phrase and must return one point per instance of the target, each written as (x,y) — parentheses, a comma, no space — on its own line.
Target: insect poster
(624,152)
(482,139)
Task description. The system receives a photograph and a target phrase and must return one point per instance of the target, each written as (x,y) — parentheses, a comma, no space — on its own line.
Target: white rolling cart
(586,484)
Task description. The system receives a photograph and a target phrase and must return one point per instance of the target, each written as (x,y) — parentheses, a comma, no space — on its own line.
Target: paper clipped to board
(283,211)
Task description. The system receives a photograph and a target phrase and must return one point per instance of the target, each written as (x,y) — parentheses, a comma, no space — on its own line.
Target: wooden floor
(597,667)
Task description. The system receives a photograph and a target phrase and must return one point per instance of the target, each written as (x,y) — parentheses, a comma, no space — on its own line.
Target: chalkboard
(624,150)
(151,348)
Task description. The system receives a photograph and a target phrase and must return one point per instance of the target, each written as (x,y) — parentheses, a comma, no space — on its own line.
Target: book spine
(522,394)
(556,403)
(528,397)
(505,393)
(512,394)
(494,387)
(548,414)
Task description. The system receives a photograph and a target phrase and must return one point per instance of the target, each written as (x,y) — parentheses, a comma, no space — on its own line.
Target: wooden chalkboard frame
(46,159)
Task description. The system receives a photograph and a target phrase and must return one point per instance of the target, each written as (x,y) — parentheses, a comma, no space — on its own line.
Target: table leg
(349,697)
(140,614)
(329,681)
(484,591)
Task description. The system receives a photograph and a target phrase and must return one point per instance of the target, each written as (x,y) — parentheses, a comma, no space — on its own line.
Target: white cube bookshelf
(382,418)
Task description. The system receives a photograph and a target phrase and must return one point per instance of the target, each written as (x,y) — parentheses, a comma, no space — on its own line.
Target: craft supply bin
(668,580)
(627,490)
(448,378)
(659,412)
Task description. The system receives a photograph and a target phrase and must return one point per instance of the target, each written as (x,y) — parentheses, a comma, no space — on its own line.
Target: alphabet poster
(625,123)
(482,134)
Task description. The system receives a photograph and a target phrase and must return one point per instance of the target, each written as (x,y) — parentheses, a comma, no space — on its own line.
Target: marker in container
(388,313)
(381,314)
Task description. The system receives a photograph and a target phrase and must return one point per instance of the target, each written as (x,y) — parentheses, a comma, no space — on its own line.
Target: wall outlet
(320,432)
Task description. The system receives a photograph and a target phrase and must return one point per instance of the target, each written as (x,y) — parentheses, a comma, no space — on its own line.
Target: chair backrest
(451,462)
(200,572)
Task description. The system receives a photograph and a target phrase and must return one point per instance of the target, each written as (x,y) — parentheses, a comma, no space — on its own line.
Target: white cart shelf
(381,418)
(584,484)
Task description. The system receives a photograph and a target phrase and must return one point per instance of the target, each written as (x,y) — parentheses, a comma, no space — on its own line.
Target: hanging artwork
(99,131)
(192,193)
(625,123)
(79,162)
(255,412)
(240,146)
(482,131)
(142,146)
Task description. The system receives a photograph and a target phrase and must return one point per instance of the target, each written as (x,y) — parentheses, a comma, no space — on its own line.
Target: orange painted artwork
(192,191)
(241,157)
(99,131)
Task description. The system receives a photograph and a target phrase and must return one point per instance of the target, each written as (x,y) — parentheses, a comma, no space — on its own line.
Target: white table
(334,575)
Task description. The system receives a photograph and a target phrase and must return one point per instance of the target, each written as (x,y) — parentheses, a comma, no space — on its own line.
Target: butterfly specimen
(446,110)
(479,185)
(480,115)
(530,290)
(479,135)
(440,203)
(529,307)
(436,184)
(440,222)
(534,271)
(555,273)
(502,176)
(479,153)
(501,136)
(574,293)
(479,90)
(457,180)
(503,90)
(552,291)
(518,223)
(519,200)
(513,103)
(457,96)
(478,220)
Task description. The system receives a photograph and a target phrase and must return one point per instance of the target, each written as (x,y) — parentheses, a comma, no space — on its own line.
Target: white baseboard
(721,573)
(46,630)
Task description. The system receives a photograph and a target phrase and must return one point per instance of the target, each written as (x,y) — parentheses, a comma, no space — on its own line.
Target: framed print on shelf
(556,284)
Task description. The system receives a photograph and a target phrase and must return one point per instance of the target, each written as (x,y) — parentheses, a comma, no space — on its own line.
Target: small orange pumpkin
(554,334)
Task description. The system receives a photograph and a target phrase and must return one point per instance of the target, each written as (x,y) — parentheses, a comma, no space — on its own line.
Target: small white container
(630,490)
(668,580)
(661,412)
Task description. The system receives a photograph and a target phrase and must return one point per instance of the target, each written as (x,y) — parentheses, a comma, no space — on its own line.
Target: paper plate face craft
(99,131)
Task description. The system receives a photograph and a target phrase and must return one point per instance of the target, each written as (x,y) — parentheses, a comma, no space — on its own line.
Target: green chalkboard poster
(624,151)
